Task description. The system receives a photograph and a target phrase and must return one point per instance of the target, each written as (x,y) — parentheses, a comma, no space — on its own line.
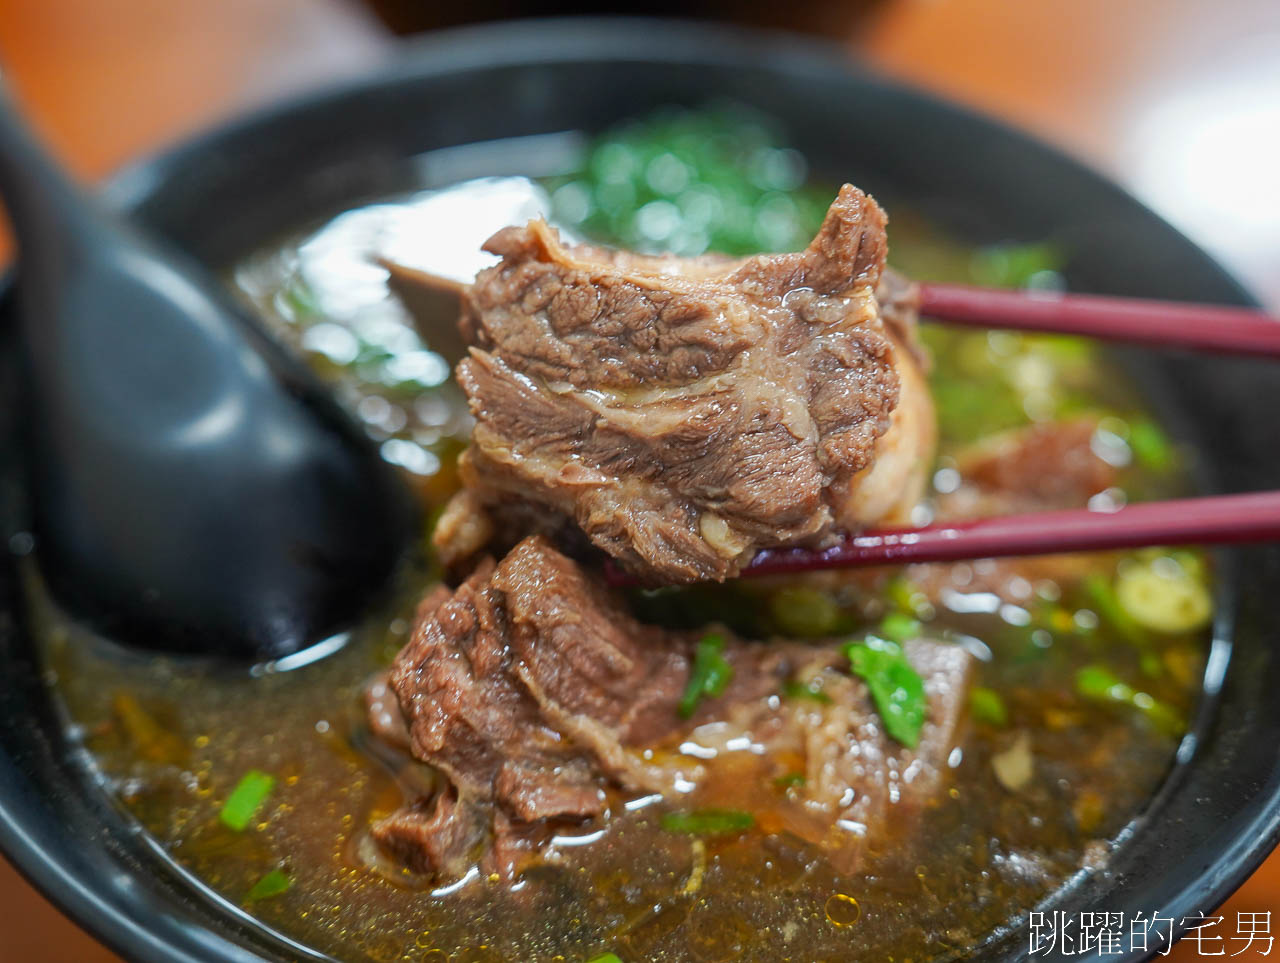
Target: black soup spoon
(193,488)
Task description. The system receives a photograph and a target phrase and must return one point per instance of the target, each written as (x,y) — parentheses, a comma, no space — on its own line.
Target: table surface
(1162,95)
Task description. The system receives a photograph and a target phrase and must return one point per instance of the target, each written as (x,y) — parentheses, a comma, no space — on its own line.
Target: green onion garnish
(1014,265)
(905,596)
(273,884)
(899,627)
(1097,683)
(1150,445)
(707,822)
(789,780)
(1104,601)
(709,676)
(987,706)
(246,799)
(606,958)
(896,688)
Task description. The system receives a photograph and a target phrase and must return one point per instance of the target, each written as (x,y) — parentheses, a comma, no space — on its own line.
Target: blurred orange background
(1178,100)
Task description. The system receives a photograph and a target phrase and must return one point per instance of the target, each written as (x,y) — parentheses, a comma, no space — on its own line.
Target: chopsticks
(1216,520)
(1229,519)
(1168,324)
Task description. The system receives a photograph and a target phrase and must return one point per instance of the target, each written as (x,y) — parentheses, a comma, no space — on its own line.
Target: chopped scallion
(907,597)
(1014,265)
(1103,598)
(789,780)
(273,884)
(707,822)
(899,627)
(606,958)
(246,799)
(1097,683)
(896,688)
(721,179)
(709,677)
(987,706)
(1150,445)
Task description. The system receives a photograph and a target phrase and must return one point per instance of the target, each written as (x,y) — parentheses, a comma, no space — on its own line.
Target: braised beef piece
(542,700)
(1043,467)
(440,836)
(682,413)
(899,300)
(382,712)
(382,708)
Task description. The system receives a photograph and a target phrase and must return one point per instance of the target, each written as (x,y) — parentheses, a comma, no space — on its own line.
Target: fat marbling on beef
(683,413)
(541,699)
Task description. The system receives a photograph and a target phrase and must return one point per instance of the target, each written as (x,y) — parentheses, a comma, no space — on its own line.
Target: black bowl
(1217,815)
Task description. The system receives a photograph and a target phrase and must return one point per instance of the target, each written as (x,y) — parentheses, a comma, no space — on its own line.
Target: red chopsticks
(1217,520)
(1169,324)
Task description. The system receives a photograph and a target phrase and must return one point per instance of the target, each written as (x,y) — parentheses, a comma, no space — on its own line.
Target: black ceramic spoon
(193,488)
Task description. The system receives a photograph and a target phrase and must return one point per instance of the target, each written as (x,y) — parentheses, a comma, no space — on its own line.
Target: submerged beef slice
(1048,465)
(442,836)
(541,699)
(681,414)
(1043,467)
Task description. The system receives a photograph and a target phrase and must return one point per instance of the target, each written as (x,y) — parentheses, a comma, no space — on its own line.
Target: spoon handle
(42,203)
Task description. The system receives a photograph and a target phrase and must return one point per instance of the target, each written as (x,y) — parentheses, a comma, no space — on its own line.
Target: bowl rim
(532,42)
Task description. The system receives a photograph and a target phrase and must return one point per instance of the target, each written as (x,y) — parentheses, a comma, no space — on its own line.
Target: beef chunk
(544,702)
(1045,466)
(382,708)
(684,413)
(469,715)
(441,836)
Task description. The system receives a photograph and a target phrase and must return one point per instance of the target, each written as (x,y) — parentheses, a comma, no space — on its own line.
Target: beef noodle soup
(509,762)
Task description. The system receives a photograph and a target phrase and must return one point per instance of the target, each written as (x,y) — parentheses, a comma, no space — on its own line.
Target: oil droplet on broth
(843,910)
(435,956)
